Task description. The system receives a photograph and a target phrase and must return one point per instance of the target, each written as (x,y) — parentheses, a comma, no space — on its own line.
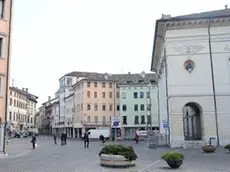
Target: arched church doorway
(192,121)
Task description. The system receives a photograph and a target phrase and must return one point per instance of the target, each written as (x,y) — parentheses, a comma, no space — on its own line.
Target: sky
(53,37)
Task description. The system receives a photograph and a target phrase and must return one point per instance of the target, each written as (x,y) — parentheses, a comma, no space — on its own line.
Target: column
(74,134)
(2,125)
(78,133)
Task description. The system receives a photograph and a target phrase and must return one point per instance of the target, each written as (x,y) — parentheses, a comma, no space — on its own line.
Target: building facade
(94,98)
(191,56)
(135,109)
(5,38)
(22,109)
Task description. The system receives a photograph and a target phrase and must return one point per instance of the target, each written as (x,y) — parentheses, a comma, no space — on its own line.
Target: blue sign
(165,124)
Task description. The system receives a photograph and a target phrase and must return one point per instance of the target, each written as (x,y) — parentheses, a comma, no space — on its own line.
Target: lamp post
(149,112)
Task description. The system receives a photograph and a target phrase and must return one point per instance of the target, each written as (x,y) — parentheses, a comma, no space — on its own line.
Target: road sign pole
(115,133)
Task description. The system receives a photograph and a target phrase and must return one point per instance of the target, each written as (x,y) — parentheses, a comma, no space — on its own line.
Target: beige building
(22,108)
(5,38)
(96,101)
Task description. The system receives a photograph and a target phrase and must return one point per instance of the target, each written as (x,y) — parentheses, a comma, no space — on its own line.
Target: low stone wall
(115,161)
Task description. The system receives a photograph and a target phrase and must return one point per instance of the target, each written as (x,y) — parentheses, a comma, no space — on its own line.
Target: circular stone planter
(115,161)
(175,164)
(208,148)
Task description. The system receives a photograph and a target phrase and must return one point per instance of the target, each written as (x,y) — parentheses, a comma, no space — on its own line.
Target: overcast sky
(54,37)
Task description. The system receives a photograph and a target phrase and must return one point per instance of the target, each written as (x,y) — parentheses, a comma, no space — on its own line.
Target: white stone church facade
(191,56)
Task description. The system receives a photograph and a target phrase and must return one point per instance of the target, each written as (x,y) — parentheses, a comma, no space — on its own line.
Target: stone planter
(175,164)
(208,148)
(115,161)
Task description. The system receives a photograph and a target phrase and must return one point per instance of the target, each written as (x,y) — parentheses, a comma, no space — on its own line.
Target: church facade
(191,56)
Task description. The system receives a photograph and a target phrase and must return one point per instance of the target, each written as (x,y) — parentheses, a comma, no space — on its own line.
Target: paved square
(74,158)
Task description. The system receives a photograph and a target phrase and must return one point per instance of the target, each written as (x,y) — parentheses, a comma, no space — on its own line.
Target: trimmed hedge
(126,151)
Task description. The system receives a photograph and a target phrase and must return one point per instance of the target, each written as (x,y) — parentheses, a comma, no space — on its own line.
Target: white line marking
(154,163)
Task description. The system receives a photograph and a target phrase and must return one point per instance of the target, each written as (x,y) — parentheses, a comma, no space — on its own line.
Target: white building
(191,56)
(69,108)
(22,108)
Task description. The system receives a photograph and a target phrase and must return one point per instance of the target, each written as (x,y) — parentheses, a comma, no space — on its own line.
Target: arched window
(192,122)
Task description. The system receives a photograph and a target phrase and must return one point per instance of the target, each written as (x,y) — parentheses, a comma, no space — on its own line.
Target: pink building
(5,38)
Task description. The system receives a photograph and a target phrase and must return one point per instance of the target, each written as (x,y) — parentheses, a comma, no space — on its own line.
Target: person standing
(55,138)
(86,140)
(62,138)
(102,139)
(33,141)
(65,138)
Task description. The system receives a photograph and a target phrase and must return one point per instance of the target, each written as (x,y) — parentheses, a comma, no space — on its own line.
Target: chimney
(166,16)
(226,7)
(129,72)
(26,90)
(49,98)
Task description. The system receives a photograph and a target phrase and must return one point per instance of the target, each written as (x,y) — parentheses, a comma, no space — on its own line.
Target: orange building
(5,38)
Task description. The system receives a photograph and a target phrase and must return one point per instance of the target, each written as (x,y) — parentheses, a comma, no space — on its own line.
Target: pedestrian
(86,140)
(65,138)
(62,138)
(137,138)
(55,138)
(33,141)
(102,139)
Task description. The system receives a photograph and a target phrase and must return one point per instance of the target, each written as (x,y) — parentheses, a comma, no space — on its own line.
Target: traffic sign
(165,124)
(116,122)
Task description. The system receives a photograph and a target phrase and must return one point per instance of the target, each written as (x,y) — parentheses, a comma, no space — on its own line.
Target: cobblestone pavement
(74,158)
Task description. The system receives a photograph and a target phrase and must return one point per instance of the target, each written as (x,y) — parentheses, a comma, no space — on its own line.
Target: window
(103,94)
(117,86)
(1,86)
(142,119)
(95,107)
(124,95)
(110,107)
(124,107)
(118,107)
(124,119)
(141,95)
(10,117)
(88,118)
(88,94)
(11,93)
(14,103)
(88,107)
(103,85)
(1,46)
(110,119)
(81,106)
(104,107)
(96,119)
(110,95)
(69,81)
(110,85)
(118,95)
(136,120)
(135,95)
(95,94)
(135,107)
(148,119)
(95,84)
(14,116)
(148,94)
(11,101)
(88,84)
(142,107)
(104,120)
(2,4)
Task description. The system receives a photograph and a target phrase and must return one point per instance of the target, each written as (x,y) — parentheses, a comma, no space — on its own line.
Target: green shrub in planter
(172,156)
(227,147)
(126,151)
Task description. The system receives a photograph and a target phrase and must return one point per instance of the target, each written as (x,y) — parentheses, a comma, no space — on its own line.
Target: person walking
(102,139)
(33,141)
(62,138)
(65,138)
(86,140)
(55,138)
